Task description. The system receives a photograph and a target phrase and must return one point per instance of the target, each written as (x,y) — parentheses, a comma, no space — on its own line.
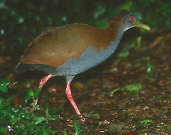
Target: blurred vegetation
(21,21)
(19,120)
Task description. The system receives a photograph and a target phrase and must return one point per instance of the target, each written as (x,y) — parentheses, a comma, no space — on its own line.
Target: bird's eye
(131,18)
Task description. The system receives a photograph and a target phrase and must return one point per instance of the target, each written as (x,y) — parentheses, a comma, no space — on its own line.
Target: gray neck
(115,43)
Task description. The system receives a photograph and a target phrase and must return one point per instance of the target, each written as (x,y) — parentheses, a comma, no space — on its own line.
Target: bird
(74,48)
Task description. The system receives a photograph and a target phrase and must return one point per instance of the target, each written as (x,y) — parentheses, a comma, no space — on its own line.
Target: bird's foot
(82,118)
(31,109)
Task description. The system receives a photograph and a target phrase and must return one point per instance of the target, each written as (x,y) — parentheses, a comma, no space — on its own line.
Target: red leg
(70,98)
(41,84)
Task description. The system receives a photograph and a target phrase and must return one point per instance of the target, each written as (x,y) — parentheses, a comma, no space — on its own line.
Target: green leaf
(0,101)
(77,126)
(47,110)
(30,93)
(126,6)
(124,54)
(38,120)
(4,85)
(145,122)
(37,92)
(150,68)
(65,132)
(3,130)
(102,23)
(45,131)
(100,9)
(169,127)
(133,87)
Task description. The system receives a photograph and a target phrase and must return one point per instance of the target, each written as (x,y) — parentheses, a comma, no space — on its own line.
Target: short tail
(20,67)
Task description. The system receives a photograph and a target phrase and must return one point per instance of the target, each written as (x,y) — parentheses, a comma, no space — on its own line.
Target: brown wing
(55,46)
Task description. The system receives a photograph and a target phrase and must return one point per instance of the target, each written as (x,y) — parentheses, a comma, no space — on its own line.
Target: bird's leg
(41,84)
(70,98)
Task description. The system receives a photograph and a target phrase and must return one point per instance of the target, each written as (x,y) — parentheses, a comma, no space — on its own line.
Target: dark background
(128,95)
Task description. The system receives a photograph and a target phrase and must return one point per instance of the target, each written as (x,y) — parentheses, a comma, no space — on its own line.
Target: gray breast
(87,60)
